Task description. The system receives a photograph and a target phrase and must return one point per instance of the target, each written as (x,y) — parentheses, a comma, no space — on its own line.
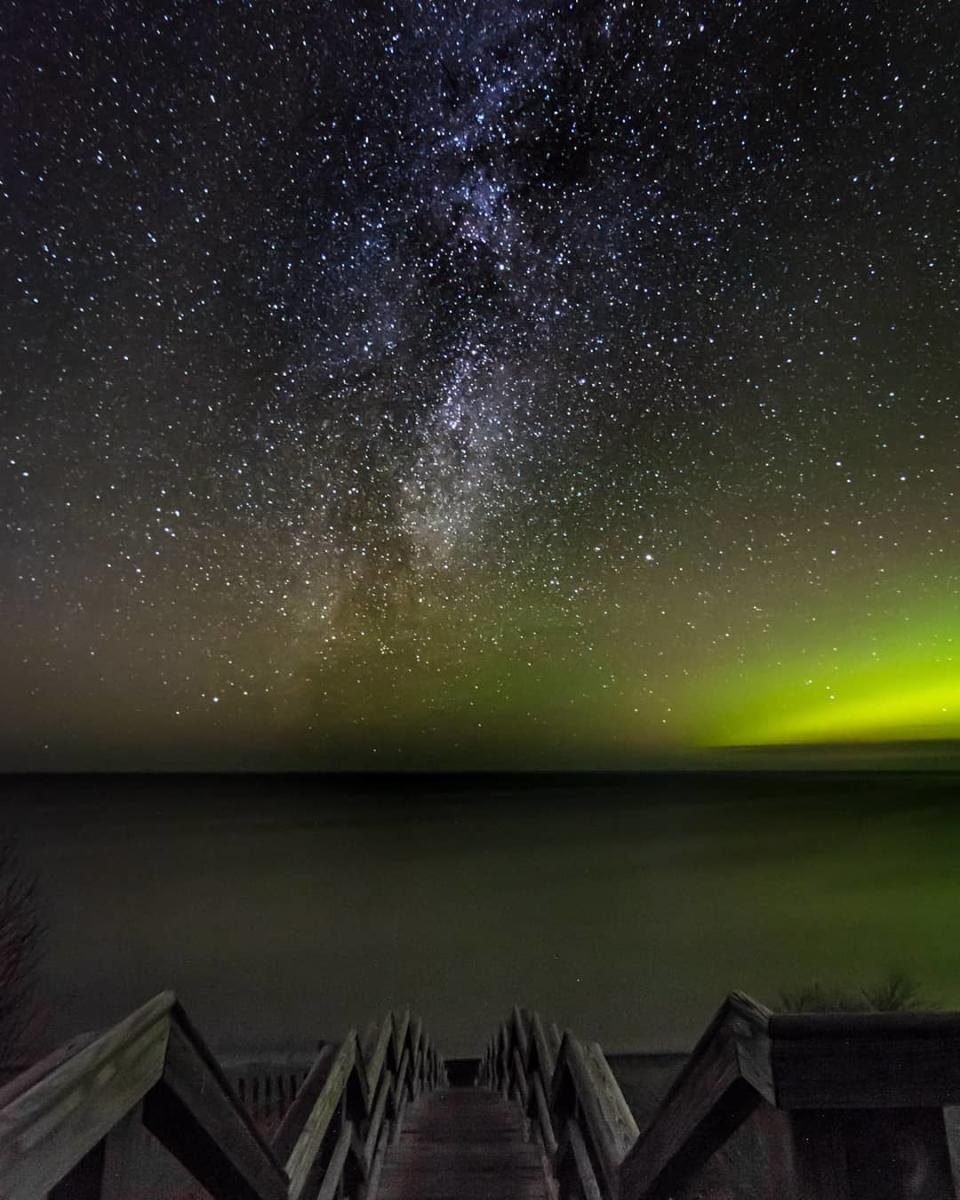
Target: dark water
(283,910)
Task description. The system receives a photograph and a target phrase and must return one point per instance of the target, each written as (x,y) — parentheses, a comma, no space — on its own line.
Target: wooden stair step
(462,1144)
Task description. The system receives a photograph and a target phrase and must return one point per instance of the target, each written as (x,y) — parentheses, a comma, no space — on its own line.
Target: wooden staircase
(463,1144)
(816,1106)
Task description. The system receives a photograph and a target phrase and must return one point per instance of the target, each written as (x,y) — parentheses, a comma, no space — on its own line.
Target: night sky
(470,383)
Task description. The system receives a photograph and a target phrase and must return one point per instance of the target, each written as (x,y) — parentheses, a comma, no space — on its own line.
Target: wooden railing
(266,1087)
(570,1101)
(69,1125)
(851,1106)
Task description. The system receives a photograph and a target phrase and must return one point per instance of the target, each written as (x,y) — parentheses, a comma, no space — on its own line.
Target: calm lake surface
(286,909)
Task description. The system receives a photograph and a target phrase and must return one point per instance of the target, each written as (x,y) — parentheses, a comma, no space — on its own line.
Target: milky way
(475,383)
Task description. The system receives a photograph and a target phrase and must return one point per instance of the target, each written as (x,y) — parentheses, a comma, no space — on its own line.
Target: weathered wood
(334,1171)
(301,1163)
(520,1035)
(71,1126)
(416,1037)
(195,1114)
(376,1165)
(866,1060)
(593,1119)
(545,1054)
(616,1112)
(376,1119)
(871,1154)
(462,1144)
(39,1070)
(357,1101)
(846,1070)
(47,1129)
(706,1103)
(503,1060)
(189,1050)
(865,1093)
(581,1157)
(299,1111)
(378,1054)
(401,1026)
(547,1135)
(519,1077)
(749,1026)
(403,1075)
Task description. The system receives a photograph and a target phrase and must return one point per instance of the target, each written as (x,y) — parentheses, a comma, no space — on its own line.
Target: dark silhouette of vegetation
(897,992)
(20,934)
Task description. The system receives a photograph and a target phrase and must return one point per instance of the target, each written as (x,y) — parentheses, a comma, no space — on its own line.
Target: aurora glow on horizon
(897,680)
(458,385)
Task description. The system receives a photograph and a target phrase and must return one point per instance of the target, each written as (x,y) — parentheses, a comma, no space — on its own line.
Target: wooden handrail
(857,1099)
(721,1084)
(570,1101)
(67,1122)
(852,1088)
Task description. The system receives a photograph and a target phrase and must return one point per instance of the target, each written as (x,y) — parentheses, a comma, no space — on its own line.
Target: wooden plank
(375,1169)
(503,1060)
(545,1054)
(33,1074)
(616,1112)
(866,1060)
(357,1169)
(520,1079)
(749,1025)
(520,1035)
(589,1187)
(706,1103)
(462,1144)
(593,1117)
(547,1136)
(334,1171)
(296,1116)
(366,1046)
(195,1114)
(416,1060)
(369,1039)
(401,1026)
(416,1036)
(378,1055)
(376,1118)
(839,1027)
(356,1097)
(202,1059)
(403,1076)
(396,1125)
(51,1126)
(306,1150)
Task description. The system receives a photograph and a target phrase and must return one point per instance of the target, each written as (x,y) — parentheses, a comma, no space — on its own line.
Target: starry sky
(476,383)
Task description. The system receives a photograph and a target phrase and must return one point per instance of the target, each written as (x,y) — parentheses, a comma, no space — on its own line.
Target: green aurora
(858,681)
